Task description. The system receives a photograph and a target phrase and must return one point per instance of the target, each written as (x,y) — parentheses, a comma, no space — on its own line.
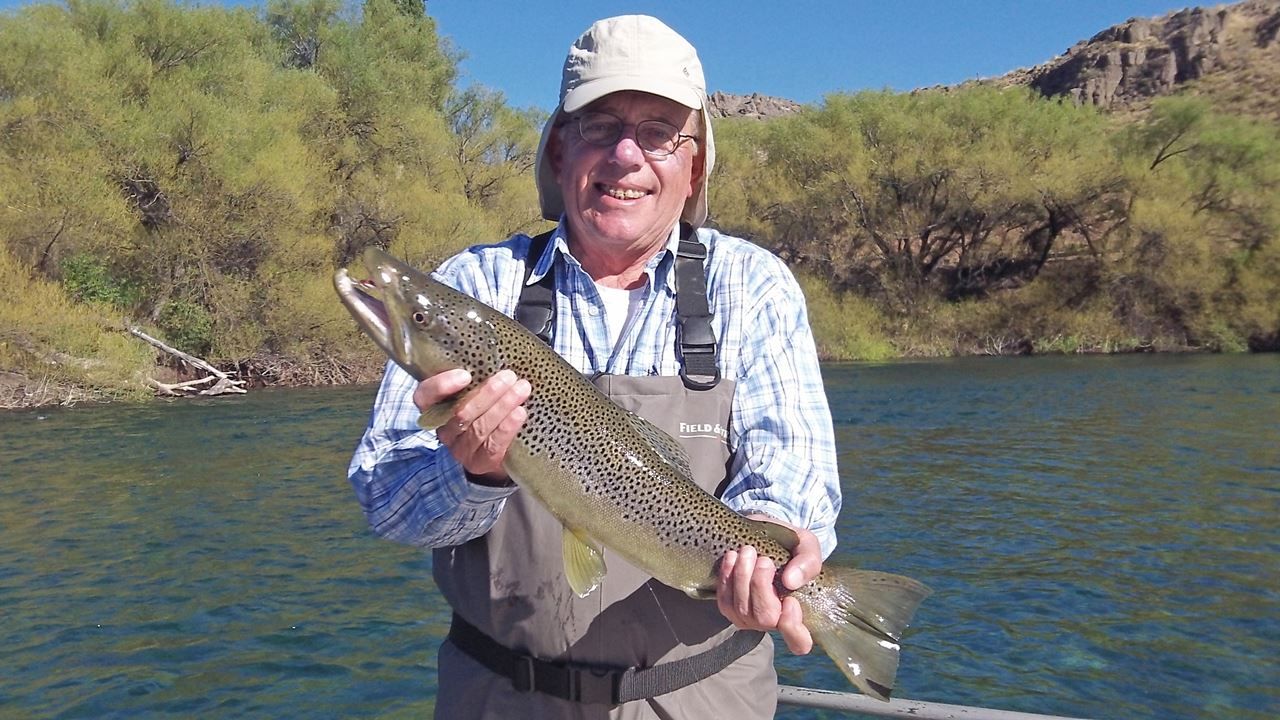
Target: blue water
(1102,535)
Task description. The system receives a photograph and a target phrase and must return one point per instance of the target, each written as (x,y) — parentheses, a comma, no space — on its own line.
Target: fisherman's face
(620,196)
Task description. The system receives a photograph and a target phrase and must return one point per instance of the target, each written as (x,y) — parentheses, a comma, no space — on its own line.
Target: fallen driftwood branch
(174,388)
(225,383)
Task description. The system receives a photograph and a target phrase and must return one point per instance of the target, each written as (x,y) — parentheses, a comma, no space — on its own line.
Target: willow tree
(201,170)
(494,148)
(949,193)
(56,178)
(1200,260)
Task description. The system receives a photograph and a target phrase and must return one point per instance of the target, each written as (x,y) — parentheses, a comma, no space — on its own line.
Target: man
(730,369)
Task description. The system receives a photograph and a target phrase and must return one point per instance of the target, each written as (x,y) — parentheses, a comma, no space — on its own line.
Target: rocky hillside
(1229,53)
(755,105)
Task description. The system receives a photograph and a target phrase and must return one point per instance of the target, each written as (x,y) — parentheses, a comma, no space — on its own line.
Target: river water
(1102,535)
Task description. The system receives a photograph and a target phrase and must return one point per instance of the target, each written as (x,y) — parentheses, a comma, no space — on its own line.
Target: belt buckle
(522,676)
(593,685)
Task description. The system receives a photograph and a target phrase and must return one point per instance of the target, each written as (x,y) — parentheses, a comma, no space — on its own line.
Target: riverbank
(19,392)
(22,392)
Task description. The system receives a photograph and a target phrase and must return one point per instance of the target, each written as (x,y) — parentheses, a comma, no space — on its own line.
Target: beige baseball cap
(629,52)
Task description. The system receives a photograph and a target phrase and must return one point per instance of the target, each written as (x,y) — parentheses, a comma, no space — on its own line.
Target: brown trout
(627,488)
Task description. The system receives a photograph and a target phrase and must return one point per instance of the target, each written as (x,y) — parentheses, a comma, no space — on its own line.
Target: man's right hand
(483,423)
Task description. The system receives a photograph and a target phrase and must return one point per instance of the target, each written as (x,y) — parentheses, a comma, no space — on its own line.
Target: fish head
(417,321)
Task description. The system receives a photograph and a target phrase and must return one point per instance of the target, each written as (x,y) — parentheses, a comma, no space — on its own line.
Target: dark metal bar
(915,709)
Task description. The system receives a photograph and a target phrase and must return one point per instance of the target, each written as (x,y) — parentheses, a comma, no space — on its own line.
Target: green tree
(1199,259)
(954,194)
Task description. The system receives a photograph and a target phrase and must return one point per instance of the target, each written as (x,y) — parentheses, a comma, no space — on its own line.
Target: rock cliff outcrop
(1202,49)
(755,105)
(1229,53)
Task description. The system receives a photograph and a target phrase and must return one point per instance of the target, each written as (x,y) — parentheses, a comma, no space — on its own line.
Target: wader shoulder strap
(699,353)
(592,683)
(536,308)
(698,350)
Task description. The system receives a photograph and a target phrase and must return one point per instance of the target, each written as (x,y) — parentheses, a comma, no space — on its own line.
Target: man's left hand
(747,596)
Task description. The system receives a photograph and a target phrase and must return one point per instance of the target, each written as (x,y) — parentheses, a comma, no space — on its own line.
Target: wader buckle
(577,683)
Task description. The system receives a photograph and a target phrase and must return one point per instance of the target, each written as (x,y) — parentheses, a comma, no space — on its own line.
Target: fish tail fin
(858,616)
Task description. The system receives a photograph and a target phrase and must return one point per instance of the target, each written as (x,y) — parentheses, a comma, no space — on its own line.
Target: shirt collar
(658,268)
(558,244)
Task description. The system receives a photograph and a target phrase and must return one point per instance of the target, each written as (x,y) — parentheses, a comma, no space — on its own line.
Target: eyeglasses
(655,137)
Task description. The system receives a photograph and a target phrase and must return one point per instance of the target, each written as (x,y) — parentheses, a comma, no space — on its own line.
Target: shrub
(187,326)
(88,279)
(845,326)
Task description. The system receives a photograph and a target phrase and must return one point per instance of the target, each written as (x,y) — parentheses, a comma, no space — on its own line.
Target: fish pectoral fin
(583,562)
(435,416)
(784,536)
(438,414)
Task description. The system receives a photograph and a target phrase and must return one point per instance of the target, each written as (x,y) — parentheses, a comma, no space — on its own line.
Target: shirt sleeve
(410,486)
(784,459)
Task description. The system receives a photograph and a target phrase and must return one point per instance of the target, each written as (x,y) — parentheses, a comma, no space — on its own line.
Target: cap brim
(592,90)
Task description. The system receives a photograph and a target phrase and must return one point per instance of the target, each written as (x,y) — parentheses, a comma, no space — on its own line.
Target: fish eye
(420,317)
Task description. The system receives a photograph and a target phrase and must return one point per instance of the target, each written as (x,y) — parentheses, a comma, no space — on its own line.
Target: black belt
(597,683)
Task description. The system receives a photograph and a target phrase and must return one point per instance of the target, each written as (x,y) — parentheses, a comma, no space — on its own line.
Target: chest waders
(523,645)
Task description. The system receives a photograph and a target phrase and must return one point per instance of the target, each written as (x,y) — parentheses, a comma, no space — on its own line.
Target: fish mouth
(364,299)
(381,305)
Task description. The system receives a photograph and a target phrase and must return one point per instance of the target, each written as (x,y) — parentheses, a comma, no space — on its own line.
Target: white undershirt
(619,306)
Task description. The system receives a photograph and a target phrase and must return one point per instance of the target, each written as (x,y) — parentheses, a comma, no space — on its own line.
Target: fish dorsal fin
(668,448)
(583,562)
(784,536)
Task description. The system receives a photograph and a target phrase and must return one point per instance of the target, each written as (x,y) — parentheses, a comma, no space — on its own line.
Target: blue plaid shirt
(784,460)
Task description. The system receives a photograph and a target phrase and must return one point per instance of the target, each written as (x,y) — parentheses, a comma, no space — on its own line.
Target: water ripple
(1102,535)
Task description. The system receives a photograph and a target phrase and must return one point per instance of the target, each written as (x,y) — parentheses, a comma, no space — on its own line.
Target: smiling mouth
(621,193)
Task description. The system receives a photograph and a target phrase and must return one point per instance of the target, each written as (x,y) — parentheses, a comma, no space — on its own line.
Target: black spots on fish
(472,338)
(565,423)
(475,355)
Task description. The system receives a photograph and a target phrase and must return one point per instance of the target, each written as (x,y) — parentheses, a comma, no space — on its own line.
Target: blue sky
(800,50)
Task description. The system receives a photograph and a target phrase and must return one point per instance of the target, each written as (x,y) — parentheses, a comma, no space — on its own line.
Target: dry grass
(18,392)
